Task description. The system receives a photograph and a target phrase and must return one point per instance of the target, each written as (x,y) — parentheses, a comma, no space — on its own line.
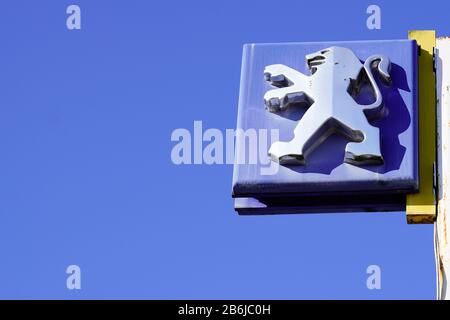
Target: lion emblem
(337,76)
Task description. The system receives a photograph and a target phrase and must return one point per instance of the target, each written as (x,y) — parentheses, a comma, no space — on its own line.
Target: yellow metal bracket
(421,206)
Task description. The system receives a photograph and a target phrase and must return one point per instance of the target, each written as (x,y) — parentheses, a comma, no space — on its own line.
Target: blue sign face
(332,126)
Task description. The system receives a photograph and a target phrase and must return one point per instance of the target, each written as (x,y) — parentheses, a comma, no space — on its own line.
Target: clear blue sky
(86,176)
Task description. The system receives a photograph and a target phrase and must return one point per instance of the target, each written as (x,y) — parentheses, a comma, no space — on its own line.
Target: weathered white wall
(443,125)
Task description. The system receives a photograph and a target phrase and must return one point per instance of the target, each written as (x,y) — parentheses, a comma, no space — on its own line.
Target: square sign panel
(327,127)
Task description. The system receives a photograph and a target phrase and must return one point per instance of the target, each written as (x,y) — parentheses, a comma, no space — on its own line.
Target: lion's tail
(383,65)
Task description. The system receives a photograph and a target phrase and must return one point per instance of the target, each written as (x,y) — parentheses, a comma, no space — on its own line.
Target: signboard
(345,118)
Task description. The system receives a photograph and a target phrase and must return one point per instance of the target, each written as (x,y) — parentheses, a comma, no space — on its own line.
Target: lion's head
(335,57)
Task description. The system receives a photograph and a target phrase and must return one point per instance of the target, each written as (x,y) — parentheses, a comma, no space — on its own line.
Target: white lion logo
(336,77)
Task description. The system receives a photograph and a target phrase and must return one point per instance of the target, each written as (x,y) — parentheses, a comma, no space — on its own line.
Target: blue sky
(86,176)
